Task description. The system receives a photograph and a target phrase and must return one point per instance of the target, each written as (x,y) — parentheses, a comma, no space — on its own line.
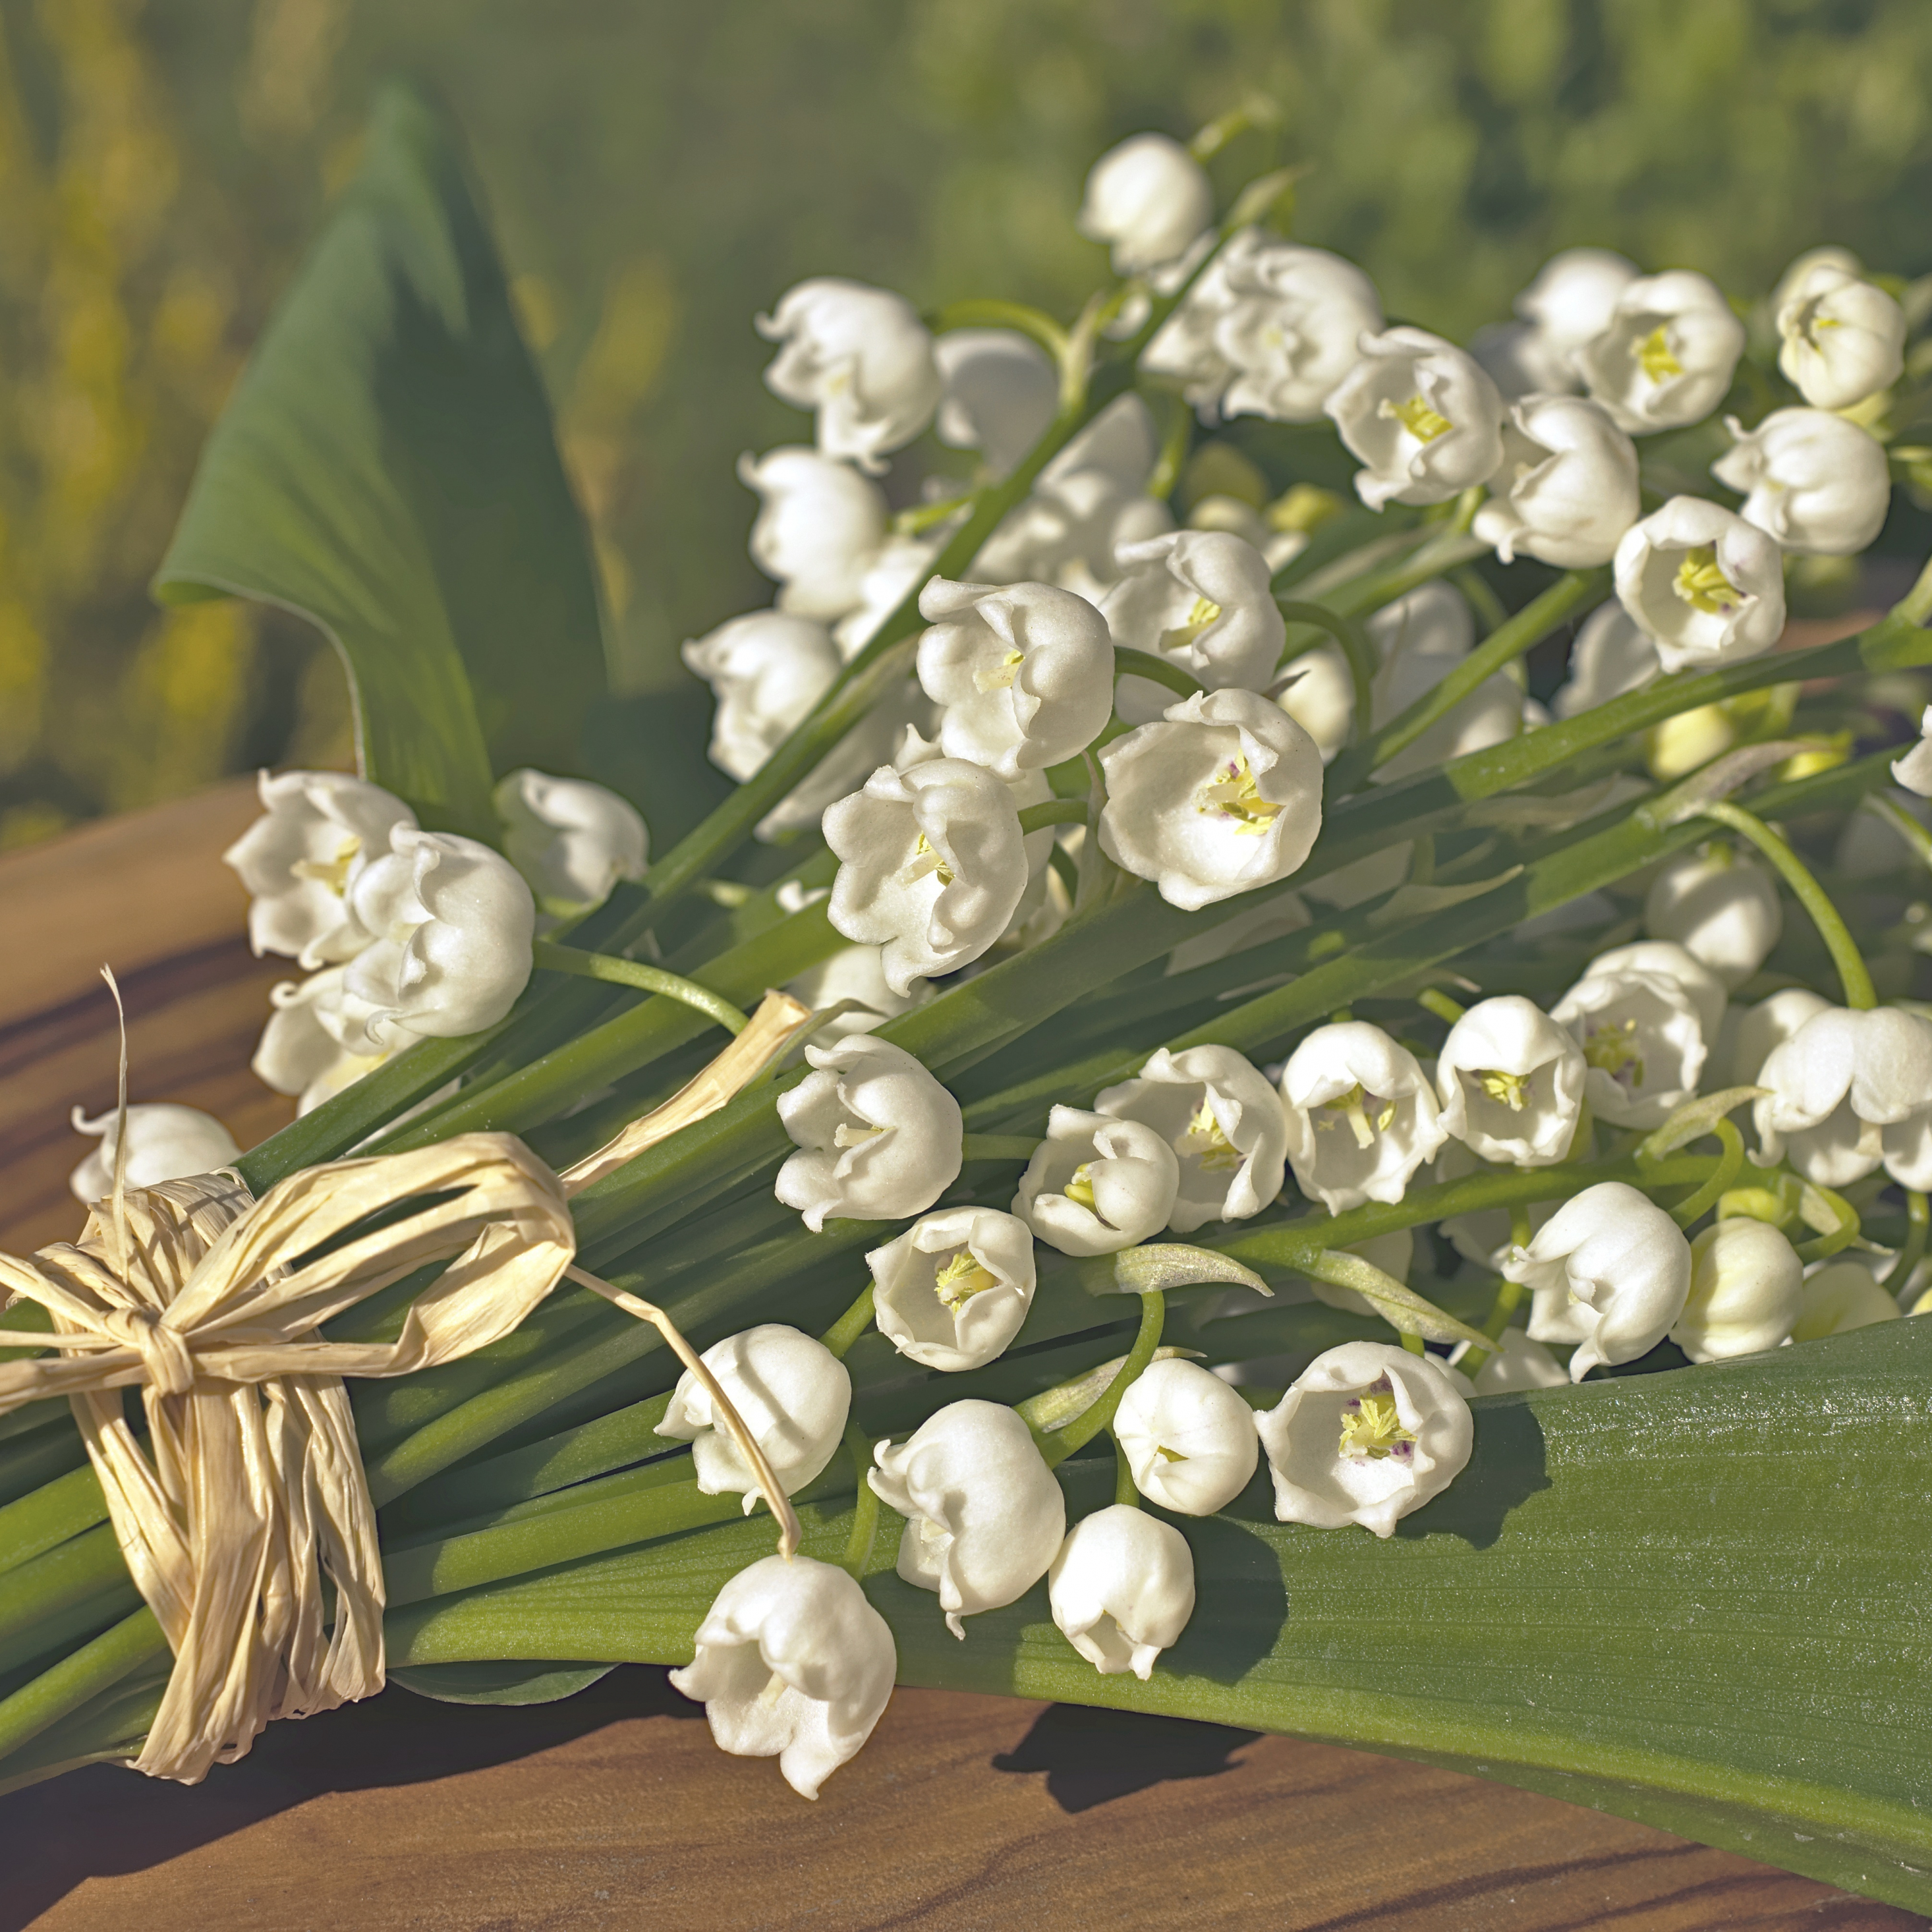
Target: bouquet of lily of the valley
(1180,1140)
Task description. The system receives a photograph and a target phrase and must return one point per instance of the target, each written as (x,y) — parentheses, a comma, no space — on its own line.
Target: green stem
(865,1508)
(1125,1490)
(616,972)
(1053,811)
(84,1673)
(1084,1427)
(1509,1293)
(850,1326)
(1439,1003)
(1130,663)
(990,312)
(1899,1275)
(1726,1172)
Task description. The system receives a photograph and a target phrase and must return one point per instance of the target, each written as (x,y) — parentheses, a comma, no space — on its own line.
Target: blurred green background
(658,171)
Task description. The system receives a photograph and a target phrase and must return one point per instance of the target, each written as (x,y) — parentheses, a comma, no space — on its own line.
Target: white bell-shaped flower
(1521,361)
(1746,1286)
(1572,301)
(451,924)
(1645,1019)
(1421,416)
(1318,691)
(790,1391)
(1609,1271)
(1704,990)
(1361,1115)
(1914,770)
(1149,200)
(1290,329)
(1720,905)
(1517,1362)
(1420,639)
(1512,1083)
(317,1040)
(1613,654)
(1839,1296)
(1567,489)
(1096,1185)
(1708,587)
(861,358)
(985,1517)
(1843,337)
(793,1662)
(571,840)
(1850,1090)
(766,670)
(1811,481)
(1000,391)
(321,830)
(1366,1434)
(1224,794)
(1223,1120)
(1768,1024)
(1188,1437)
(1184,349)
(1667,354)
(820,523)
(1122,1588)
(931,868)
(892,573)
(165,1142)
(1200,599)
(856,974)
(879,1138)
(951,1291)
(1025,672)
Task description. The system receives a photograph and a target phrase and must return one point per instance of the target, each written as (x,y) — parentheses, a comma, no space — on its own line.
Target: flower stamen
(1372,1428)
(962,1277)
(1203,1139)
(1656,357)
(1703,586)
(1613,1049)
(926,862)
(1356,1107)
(333,873)
(1415,415)
(1205,612)
(1235,795)
(999,677)
(1511,1089)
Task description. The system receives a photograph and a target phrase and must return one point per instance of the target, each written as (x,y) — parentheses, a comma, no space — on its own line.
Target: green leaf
(1164,1266)
(540,1683)
(386,469)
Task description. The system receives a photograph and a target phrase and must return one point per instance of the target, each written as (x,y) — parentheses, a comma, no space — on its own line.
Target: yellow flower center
(1371,1429)
(999,677)
(1204,612)
(1511,1089)
(843,1136)
(1356,1106)
(960,1279)
(1415,415)
(926,862)
(1703,586)
(1168,1455)
(333,873)
(1613,1048)
(1655,357)
(1234,795)
(1080,1186)
(1203,1140)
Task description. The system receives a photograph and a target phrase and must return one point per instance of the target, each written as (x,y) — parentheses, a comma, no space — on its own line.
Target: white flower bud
(1769,1023)
(893,571)
(1609,1270)
(1421,416)
(1812,481)
(932,866)
(984,1515)
(1517,1362)
(1567,489)
(165,1142)
(1189,1439)
(571,840)
(1318,691)
(1838,1297)
(1572,300)
(1026,673)
(820,524)
(792,1662)
(1421,638)
(1704,990)
(1612,655)
(1720,905)
(1745,1281)
(1223,1120)
(451,924)
(317,1040)
(790,1391)
(856,973)
(321,830)
(879,1138)
(767,670)
(1850,1090)
(1361,1115)
(1096,1185)
(1223,795)
(1512,1083)
(1366,1434)
(1646,1017)
(1667,354)
(1149,199)
(1290,330)
(1521,361)
(1708,587)
(1122,1588)
(860,357)
(1843,337)
(1001,391)
(951,1291)
(1913,770)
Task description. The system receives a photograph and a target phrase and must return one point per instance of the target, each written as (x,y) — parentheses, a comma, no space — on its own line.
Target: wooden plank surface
(614,1809)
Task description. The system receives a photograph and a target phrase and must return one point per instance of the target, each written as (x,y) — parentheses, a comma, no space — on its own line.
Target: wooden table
(614,1809)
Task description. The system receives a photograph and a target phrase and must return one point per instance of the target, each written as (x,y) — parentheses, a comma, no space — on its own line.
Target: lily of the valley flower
(1567,489)
(1188,1437)
(1317,692)
(1149,199)
(878,1137)
(1026,673)
(1720,905)
(1914,770)
(892,572)
(1223,1120)
(165,1142)
(1850,1091)
(1422,417)
(792,1663)
(1667,354)
(1612,655)
(985,1516)
(1366,1434)
(1609,1270)
(1769,1023)
(1746,1287)
(1361,1115)
(766,670)
(856,974)
(951,1291)
(317,1040)
(1420,639)
(321,830)
(1223,795)
(1290,329)
(1843,337)
(1706,585)
(1512,1083)
(1570,302)
(1122,1588)
(1646,1017)
(1096,1185)
(571,840)
(790,1391)
(1811,480)
(1517,1363)
(861,358)
(1001,392)
(820,524)
(1838,1297)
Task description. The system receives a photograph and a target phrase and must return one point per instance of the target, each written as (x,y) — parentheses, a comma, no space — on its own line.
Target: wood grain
(614,1809)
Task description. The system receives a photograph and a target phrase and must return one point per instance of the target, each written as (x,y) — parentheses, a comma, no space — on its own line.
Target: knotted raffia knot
(166,1358)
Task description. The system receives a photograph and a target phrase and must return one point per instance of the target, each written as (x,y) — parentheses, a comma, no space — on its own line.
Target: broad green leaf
(386,469)
(1689,1598)
(533,1683)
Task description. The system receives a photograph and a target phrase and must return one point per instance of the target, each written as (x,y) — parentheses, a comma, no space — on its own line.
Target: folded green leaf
(1164,1266)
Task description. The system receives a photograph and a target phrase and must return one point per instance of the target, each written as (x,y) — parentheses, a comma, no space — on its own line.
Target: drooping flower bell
(1290,330)
(1838,1297)
(766,670)
(1122,1588)
(1646,1017)
(1811,481)
(1421,416)
(1914,769)
(1567,489)
(1667,354)
(1420,639)
(1708,587)
(1720,905)
(165,1142)
(1361,1115)
(1517,1362)
(1612,655)
(1512,1083)
(819,527)
(1188,1437)
(1096,1185)
(1842,338)
(1747,1286)
(1149,199)
(1001,391)
(317,1040)
(1850,1091)
(951,1291)
(1570,302)
(571,840)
